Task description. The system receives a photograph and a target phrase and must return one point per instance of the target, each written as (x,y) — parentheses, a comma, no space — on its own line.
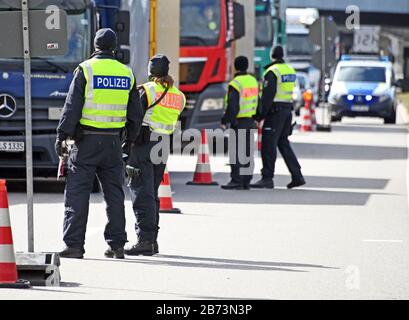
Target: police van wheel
(391,119)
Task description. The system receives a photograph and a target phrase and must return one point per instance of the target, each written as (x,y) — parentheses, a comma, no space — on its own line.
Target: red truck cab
(208,29)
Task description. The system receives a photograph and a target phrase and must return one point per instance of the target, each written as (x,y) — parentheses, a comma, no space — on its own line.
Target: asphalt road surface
(344,236)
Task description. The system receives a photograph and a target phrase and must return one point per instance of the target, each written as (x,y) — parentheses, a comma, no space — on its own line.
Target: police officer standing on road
(242,101)
(102,101)
(163,104)
(276,109)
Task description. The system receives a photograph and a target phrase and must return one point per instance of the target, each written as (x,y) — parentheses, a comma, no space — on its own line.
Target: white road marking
(382,240)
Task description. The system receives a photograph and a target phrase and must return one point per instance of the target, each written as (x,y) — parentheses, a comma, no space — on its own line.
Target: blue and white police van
(363,86)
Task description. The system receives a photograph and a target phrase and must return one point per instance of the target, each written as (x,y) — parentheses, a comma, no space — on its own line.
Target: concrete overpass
(374,12)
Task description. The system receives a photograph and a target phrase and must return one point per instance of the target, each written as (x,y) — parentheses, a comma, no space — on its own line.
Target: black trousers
(99,155)
(144,191)
(276,130)
(242,159)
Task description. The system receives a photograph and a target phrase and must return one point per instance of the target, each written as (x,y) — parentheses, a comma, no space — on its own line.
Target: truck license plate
(11,146)
(359,108)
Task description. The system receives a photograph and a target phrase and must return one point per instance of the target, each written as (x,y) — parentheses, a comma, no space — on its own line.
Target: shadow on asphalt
(312,181)
(62,285)
(214,263)
(373,128)
(308,195)
(348,152)
(303,196)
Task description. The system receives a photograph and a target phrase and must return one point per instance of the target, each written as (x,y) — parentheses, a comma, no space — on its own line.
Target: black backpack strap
(160,98)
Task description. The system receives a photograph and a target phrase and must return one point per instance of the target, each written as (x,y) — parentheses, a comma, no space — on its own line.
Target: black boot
(72,253)
(296,182)
(156,247)
(142,248)
(263,184)
(233,186)
(115,253)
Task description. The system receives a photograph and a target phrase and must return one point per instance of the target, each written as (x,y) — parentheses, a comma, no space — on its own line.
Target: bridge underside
(371,18)
(372,12)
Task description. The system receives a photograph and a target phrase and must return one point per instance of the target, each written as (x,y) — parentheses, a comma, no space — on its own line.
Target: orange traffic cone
(8,267)
(306,124)
(306,120)
(203,174)
(165,195)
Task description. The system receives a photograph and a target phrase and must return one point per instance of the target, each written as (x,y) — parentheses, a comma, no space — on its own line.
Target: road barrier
(8,266)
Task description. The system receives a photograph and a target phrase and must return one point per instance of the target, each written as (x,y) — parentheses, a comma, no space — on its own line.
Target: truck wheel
(391,119)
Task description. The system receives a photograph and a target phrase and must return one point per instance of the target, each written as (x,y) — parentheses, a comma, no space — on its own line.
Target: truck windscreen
(69,5)
(79,44)
(200,22)
(299,45)
(264,31)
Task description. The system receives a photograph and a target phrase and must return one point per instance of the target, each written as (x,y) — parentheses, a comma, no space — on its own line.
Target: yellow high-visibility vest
(247,86)
(163,117)
(106,94)
(286,77)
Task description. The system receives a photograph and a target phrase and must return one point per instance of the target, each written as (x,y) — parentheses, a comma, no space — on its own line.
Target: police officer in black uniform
(97,149)
(162,103)
(276,111)
(239,114)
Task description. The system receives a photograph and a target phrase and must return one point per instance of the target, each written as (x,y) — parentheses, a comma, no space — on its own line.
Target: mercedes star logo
(8,106)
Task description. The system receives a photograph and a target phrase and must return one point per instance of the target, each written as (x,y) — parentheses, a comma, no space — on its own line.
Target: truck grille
(190,72)
(15,125)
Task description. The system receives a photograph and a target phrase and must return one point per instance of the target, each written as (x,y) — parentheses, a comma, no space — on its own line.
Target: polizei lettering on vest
(288,78)
(171,101)
(109,82)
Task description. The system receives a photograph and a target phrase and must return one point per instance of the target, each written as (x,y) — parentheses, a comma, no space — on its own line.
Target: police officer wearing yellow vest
(102,102)
(163,104)
(276,109)
(241,107)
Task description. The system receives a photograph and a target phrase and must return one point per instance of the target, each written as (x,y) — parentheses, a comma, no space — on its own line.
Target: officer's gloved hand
(59,150)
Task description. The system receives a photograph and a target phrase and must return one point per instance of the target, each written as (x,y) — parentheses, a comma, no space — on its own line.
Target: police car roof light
(348,57)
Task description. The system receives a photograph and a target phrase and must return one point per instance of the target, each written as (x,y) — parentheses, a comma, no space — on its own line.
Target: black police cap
(159,66)
(105,39)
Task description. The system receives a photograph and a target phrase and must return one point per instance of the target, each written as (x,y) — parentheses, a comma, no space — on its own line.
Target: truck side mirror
(123,55)
(122,27)
(239,21)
